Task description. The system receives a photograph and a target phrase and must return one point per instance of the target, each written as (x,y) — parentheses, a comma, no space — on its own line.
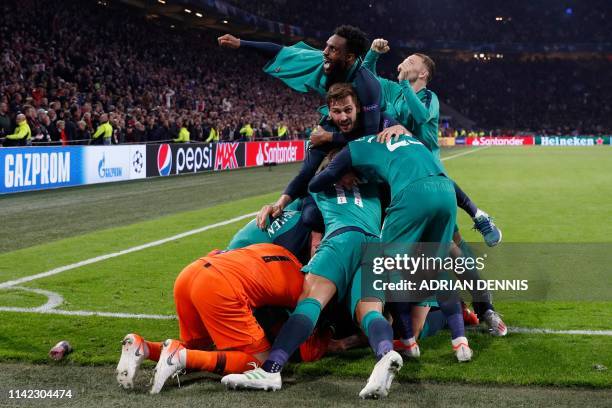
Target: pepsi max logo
(164,160)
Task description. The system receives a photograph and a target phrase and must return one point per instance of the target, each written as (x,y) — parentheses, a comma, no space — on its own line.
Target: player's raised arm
(267,48)
(229,41)
(333,172)
(379,46)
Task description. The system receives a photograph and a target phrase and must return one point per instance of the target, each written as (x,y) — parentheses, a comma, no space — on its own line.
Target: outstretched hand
(229,41)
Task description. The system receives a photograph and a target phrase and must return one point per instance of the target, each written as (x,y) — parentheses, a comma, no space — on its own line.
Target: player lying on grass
(214,298)
(422,208)
(352,219)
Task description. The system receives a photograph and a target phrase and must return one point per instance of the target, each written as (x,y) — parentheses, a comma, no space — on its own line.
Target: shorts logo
(164,159)
(369,108)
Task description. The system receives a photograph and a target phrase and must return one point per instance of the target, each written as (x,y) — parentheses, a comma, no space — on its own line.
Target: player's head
(418,66)
(346,44)
(343,106)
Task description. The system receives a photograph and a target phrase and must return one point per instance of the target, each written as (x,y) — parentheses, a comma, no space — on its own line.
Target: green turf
(551,195)
(43,257)
(21,298)
(43,216)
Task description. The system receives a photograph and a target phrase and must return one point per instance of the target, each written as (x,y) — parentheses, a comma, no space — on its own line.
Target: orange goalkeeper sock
(220,362)
(154,349)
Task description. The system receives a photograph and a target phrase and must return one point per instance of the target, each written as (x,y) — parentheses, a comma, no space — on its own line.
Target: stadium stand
(74,60)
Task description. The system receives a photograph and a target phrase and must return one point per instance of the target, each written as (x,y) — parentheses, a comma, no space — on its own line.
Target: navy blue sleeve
(339,139)
(333,172)
(386,121)
(311,215)
(369,93)
(298,187)
(267,48)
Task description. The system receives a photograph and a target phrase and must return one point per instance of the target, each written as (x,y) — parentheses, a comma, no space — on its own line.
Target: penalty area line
(100,258)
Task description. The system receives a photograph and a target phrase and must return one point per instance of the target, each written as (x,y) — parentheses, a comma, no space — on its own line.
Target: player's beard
(337,74)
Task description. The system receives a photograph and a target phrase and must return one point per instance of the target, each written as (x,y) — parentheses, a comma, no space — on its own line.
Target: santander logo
(164,159)
(259,159)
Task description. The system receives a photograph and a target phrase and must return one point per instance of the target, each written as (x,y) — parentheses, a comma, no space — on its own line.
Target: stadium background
(539,77)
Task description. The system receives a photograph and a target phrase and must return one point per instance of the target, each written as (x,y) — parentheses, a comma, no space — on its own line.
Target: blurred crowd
(64,64)
(511,95)
(527,21)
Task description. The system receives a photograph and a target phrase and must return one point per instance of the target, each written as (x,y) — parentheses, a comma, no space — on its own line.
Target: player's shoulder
(429,97)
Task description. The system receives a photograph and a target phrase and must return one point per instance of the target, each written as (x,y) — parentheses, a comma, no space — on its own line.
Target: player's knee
(319,288)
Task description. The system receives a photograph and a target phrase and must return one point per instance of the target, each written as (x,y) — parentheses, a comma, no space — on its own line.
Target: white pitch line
(53,299)
(84,313)
(518,330)
(528,330)
(122,252)
(464,153)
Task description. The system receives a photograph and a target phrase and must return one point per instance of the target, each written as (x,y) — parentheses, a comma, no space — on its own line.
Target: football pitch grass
(537,195)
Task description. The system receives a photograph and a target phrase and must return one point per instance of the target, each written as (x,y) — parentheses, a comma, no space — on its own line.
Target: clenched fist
(380,45)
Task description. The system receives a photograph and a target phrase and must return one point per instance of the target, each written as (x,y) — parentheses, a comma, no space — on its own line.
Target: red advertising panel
(500,141)
(260,153)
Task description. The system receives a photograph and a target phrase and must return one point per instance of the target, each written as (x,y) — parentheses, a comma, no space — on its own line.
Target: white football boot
(133,353)
(255,379)
(462,350)
(171,363)
(496,325)
(382,376)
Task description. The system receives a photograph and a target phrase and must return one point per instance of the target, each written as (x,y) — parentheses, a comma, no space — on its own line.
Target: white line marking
(520,330)
(53,299)
(528,330)
(84,313)
(123,252)
(464,153)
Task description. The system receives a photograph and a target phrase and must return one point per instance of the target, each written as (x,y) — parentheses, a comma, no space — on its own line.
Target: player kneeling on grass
(214,298)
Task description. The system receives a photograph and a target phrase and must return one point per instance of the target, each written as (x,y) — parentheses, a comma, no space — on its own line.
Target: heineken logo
(571,141)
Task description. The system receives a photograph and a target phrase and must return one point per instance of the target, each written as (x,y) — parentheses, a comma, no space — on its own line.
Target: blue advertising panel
(40,168)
